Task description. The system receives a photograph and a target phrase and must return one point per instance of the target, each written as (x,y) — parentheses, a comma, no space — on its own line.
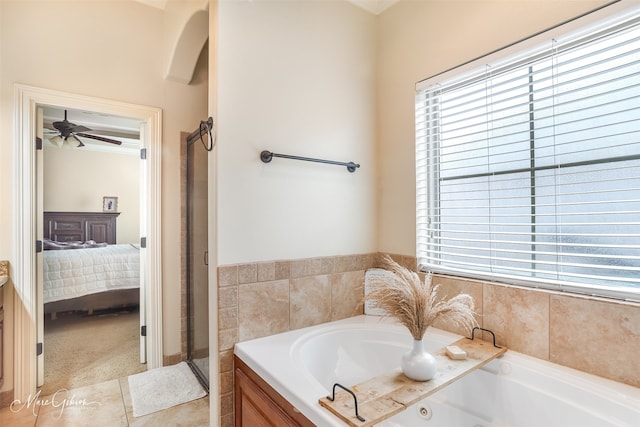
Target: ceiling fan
(69,133)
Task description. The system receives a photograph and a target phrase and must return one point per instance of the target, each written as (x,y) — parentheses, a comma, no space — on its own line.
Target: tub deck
(515,389)
(386,395)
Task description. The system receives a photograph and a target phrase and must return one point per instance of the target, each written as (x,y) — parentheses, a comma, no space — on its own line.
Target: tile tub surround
(594,335)
(266,298)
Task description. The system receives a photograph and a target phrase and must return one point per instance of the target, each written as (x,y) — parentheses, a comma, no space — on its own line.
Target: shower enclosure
(197,256)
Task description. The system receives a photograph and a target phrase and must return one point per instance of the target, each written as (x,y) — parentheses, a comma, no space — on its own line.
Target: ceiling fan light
(56,140)
(72,142)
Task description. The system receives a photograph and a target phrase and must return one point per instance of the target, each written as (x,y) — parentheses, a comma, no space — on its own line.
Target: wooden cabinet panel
(258,404)
(81,226)
(256,408)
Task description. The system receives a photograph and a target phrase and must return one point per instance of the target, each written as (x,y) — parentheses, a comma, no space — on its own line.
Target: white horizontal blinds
(532,170)
(427,172)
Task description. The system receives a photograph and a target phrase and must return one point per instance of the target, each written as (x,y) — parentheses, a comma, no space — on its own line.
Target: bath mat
(162,388)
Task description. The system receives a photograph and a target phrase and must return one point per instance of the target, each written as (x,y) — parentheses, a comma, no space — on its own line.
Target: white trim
(26,98)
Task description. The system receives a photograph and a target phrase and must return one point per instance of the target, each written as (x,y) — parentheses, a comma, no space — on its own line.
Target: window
(528,170)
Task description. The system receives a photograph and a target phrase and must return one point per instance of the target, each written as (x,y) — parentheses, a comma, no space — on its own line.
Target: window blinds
(529,171)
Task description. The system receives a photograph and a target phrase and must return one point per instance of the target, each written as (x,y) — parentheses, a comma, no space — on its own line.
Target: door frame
(26,99)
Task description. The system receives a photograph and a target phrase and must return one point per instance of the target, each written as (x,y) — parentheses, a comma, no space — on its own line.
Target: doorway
(92,313)
(26,347)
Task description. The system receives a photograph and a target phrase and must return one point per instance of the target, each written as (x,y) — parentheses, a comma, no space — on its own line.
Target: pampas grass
(401,294)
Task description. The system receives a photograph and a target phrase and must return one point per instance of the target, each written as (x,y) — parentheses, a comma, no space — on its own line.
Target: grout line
(124,406)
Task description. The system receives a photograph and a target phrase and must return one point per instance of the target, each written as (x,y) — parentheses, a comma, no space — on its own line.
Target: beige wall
(418,39)
(77,180)
(105,49)
(295,78)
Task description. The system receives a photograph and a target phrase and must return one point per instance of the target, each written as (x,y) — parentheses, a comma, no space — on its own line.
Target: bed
(83,267)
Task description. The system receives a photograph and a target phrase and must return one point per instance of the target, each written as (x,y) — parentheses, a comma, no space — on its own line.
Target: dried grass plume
(401,294)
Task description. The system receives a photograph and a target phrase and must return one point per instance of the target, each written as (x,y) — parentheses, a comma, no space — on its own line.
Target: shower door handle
(206,258)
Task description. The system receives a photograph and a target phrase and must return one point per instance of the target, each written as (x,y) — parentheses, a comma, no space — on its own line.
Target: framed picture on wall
(109,204)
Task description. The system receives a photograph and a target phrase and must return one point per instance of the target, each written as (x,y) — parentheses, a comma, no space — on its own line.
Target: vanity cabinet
(258,404)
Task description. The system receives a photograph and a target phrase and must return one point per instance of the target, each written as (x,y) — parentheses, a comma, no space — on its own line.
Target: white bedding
(78,272)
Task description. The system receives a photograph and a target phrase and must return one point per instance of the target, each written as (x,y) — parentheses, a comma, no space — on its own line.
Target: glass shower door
(197,261)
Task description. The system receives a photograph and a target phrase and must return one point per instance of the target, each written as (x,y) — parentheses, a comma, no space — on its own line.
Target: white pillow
(369,284)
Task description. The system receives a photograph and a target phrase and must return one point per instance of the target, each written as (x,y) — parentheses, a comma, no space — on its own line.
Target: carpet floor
(80,350)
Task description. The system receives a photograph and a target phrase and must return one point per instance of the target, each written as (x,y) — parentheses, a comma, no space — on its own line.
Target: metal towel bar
(266,157)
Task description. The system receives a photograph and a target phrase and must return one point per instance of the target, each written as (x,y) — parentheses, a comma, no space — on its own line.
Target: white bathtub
(515,390)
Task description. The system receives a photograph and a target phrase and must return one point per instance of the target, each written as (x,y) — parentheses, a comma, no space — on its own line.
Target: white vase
(418,364)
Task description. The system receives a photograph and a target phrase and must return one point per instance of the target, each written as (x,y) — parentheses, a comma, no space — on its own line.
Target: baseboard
(6,397)
(172,359)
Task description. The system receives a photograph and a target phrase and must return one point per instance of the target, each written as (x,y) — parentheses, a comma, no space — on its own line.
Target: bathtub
(514,390)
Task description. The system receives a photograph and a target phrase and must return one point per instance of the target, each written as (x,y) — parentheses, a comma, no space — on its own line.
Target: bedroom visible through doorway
(91,248)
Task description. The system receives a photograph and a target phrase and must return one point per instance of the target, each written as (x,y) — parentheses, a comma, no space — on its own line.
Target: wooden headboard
(81,226)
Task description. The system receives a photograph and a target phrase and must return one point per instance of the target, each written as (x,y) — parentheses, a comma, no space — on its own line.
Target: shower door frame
(204,379)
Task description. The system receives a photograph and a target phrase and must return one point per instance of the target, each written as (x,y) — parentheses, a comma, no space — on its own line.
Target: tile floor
(105,404)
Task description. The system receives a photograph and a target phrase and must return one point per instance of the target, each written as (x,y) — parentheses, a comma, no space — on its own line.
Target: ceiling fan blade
(100,138)
(78,128)
(61,126)
(67,128)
